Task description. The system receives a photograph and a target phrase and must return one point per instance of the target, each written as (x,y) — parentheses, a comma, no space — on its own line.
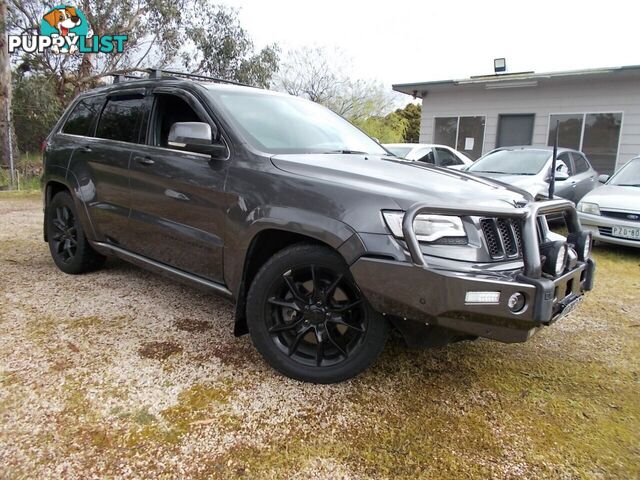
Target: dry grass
(122,373)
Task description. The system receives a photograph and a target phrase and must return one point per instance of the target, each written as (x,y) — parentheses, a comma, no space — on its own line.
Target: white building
(598,111)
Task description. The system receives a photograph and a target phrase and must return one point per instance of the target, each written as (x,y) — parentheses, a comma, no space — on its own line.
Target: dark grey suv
(321,237)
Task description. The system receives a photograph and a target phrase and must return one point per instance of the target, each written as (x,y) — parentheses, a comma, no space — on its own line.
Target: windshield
(400,151)
(629,175)
(514,162)
(286,124)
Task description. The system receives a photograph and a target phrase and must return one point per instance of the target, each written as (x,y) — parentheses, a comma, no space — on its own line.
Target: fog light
(586,250)
(482,297)
(556,254)
(561,259)
(583,242)
(516,302)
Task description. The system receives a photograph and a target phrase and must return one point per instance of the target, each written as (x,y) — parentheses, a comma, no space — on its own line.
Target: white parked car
(439,155)
(612,211)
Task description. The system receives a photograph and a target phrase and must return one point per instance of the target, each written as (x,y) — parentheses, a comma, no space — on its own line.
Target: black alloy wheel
(317,316)
(309,319)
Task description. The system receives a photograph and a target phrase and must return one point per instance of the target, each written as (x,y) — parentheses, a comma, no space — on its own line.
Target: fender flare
(329,231)
(67,178)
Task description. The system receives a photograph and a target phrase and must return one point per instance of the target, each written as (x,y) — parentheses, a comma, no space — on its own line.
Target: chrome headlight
(587,207)
(428,228)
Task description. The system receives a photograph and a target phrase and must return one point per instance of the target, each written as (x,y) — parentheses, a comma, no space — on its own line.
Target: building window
(465,134)
(600,140)
(446,131)
(595,134)
(570,133)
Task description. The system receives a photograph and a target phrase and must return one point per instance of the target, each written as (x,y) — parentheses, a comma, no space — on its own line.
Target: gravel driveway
(122,373)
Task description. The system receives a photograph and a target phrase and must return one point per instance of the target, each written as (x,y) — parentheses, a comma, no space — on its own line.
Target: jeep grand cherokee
(322,238)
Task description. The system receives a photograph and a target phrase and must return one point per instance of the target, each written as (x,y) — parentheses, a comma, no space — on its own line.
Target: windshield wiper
(348,152)
(629,184)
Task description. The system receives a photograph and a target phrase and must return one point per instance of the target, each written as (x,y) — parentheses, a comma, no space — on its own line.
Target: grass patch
(197,406)
(28,170)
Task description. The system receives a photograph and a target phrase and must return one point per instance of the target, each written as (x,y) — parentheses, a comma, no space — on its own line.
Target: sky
(403,41)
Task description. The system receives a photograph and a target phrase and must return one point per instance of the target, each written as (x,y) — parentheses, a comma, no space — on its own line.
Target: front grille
(503,237)
(629,216)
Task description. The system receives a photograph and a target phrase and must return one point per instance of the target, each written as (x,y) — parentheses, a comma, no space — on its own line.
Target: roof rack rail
(158,73)
(121,77)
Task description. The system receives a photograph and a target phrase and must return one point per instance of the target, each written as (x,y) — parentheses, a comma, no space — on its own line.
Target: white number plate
(626,232)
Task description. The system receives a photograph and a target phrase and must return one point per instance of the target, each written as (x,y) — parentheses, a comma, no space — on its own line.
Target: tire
(68,243)
(308,318)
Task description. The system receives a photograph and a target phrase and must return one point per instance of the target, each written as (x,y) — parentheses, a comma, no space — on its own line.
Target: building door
(515,130)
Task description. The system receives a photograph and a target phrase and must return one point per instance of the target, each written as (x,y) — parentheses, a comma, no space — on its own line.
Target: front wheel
(308,318)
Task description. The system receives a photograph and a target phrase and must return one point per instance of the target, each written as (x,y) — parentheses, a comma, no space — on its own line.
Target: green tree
(388,129)
(222,48)
(412,113)
(152,26)
(206,38)
(36,108)
(160,33)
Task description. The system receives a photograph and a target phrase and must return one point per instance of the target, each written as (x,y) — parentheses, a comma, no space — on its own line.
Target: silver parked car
(612,212)
(529,168)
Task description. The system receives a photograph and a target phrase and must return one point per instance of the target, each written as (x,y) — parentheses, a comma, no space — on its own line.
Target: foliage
(387,129)
(309,73)
(222,48)
(36,108)
(27,174)
(160,32)
(412,113)
(152,27)
(204,37)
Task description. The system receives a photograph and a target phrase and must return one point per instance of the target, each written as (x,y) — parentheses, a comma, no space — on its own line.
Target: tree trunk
(5,90)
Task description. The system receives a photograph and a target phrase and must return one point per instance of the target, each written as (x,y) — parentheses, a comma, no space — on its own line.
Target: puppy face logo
(63,19)
(67,22)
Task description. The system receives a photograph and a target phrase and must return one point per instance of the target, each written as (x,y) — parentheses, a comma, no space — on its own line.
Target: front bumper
(437,297)
(601,228)
(431,295)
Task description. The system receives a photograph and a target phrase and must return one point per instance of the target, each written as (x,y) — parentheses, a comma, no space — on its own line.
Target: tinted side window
(80,120)
(580,162)
(170,109)
(446,158)
(119,119)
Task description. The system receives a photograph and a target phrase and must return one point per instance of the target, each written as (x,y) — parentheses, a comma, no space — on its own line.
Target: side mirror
(560,176)
(603,178)
(196,137)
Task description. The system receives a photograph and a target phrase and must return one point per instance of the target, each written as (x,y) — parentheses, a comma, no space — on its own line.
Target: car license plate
(632,233)
(568,308)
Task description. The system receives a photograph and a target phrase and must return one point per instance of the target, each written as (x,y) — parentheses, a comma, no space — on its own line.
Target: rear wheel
(308,318)
(68,244)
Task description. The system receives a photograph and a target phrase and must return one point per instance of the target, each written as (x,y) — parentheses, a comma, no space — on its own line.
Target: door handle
(87,148)
(144,160)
